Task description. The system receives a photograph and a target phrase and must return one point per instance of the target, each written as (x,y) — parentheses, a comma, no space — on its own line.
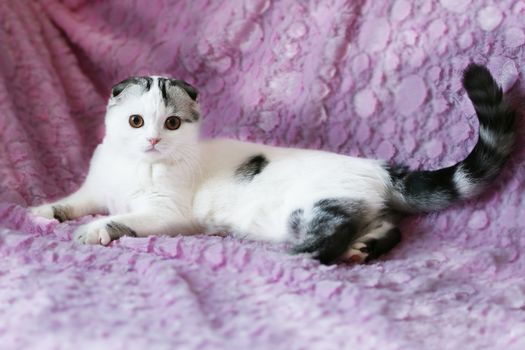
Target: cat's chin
(153,156)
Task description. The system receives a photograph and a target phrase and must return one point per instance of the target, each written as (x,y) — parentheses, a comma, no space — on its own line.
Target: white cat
(154,176)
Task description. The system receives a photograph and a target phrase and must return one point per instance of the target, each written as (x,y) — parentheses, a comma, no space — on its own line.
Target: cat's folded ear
(144,82)
(190,90)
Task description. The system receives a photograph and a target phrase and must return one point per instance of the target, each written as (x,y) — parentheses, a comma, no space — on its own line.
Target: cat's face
(153,119)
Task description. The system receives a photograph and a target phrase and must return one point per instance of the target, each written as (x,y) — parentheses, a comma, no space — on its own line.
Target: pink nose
(154,141)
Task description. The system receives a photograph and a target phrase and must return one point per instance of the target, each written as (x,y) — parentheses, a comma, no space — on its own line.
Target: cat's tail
(424,191)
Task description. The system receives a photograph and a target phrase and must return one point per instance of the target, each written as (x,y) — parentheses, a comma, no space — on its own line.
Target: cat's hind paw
(371,246)
(357,253)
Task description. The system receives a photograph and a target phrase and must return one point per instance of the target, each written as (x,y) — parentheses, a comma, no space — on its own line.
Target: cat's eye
(136,121)
(172,123)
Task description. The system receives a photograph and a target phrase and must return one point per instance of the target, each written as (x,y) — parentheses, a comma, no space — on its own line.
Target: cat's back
(244,162)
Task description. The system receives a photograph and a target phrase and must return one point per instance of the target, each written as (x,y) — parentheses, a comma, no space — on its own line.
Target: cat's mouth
(152,150)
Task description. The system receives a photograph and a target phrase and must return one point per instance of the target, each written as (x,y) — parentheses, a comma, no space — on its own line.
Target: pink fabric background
(371,78)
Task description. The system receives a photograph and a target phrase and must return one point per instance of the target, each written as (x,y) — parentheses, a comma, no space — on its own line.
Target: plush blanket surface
(371,78)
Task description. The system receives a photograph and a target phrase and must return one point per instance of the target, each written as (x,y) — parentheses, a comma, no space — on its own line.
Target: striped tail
(424,191)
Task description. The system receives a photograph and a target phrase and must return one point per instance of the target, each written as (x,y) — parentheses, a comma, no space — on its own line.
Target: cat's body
(251,189)
(154,176)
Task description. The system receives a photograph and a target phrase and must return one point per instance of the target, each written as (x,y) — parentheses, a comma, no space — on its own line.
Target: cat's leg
(327,229)
(379,240)
(140,224)
(80,203)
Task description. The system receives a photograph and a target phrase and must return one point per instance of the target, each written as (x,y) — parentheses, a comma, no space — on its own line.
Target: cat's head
(153,118)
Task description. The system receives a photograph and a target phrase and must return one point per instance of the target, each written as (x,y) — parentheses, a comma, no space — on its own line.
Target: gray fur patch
(62,212)
(502,143)
(174,93)
(333,225)
(190,90)
(251,167)
(328,213)
(195,116)
(296,222)
(165,84)
(117,230)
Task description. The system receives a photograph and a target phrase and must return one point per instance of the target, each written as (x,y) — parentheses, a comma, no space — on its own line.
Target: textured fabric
(371,78)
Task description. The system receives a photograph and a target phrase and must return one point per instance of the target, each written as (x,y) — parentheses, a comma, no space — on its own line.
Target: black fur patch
(481,87)
(334,225)
(149,81)
(487,97)
(251,167)
(430,188)
(143,81)
(163,90)
(61,212)
(376,247)
(117,230)
(424,190)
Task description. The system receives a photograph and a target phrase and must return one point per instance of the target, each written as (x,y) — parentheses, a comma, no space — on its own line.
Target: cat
(154,176)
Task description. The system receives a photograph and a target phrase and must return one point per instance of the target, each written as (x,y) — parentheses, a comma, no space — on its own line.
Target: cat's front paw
(45,211)
(49,211)
(96,232)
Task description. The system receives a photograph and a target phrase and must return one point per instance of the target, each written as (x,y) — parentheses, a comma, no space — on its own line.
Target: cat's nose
(154,141)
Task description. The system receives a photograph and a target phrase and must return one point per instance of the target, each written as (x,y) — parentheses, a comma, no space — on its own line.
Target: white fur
(293,179)
(464,184)
(187,185)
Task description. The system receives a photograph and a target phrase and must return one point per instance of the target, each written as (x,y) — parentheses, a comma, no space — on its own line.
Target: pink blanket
(362,77)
